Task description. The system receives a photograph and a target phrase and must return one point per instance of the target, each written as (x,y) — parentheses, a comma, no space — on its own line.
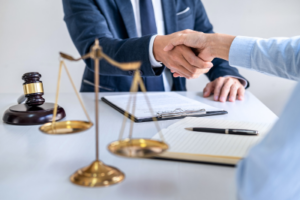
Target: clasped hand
(180,59)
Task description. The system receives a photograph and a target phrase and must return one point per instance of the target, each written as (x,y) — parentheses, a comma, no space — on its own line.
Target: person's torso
(122,23)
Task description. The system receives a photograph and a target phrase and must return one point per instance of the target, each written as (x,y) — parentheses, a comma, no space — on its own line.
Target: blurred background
(32,32)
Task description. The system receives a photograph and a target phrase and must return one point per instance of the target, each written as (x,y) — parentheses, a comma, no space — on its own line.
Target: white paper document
(160,102)
(186,142)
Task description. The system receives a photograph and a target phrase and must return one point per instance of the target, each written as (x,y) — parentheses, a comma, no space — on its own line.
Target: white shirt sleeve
(153,62)
(275,56)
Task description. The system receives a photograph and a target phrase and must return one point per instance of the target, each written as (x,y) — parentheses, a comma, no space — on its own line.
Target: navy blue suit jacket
(113,23)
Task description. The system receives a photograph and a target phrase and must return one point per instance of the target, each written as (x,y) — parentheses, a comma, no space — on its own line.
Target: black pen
(224,131)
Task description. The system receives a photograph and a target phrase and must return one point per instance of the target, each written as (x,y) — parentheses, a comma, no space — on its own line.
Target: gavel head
(33,89)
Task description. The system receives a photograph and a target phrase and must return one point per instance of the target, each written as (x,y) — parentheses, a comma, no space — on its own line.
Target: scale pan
(65,127)
(137,148)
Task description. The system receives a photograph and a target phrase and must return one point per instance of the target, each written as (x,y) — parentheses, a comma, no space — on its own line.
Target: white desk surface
(34,165)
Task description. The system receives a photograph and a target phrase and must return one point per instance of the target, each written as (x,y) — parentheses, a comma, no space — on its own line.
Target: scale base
(97,175)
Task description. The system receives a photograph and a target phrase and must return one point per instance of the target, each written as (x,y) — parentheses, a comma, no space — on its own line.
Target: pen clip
(178,112)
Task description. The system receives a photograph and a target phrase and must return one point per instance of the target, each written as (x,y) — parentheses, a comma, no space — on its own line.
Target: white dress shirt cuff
(244,82)
(153,62)
(240,51)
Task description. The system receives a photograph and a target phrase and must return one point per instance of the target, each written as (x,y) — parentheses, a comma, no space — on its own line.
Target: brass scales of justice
(98,174)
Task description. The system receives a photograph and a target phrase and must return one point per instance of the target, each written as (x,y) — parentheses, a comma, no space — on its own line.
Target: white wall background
(32,32)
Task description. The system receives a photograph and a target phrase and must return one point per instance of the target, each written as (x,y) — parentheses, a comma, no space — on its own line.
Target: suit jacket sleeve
(85,23)
(221,67)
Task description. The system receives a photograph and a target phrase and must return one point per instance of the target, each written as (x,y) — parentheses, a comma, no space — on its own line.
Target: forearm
(121,50)
(220,45)
(128,50)
(222,68)
(277,56)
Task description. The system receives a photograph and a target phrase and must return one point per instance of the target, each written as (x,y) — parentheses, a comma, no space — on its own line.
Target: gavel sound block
(34,111)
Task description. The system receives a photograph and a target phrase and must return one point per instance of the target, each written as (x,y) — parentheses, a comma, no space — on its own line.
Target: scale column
(96,69)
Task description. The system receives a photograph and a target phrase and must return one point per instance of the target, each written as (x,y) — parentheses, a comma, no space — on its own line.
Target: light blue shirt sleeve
(271,170)
(275,56)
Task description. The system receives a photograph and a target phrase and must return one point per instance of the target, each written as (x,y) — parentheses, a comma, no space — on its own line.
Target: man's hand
(197,40)
(180,59)
(209,46)
(223,88)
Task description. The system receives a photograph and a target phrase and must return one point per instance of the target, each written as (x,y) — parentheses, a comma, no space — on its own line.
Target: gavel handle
(22,99)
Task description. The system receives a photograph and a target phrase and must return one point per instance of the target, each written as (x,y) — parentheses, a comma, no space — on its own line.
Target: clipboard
(170,115)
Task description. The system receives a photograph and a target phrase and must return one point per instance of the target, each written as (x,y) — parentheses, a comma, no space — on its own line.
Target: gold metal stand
(97,173)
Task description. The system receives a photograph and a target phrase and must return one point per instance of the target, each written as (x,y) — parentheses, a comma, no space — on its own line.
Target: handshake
(189,53)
